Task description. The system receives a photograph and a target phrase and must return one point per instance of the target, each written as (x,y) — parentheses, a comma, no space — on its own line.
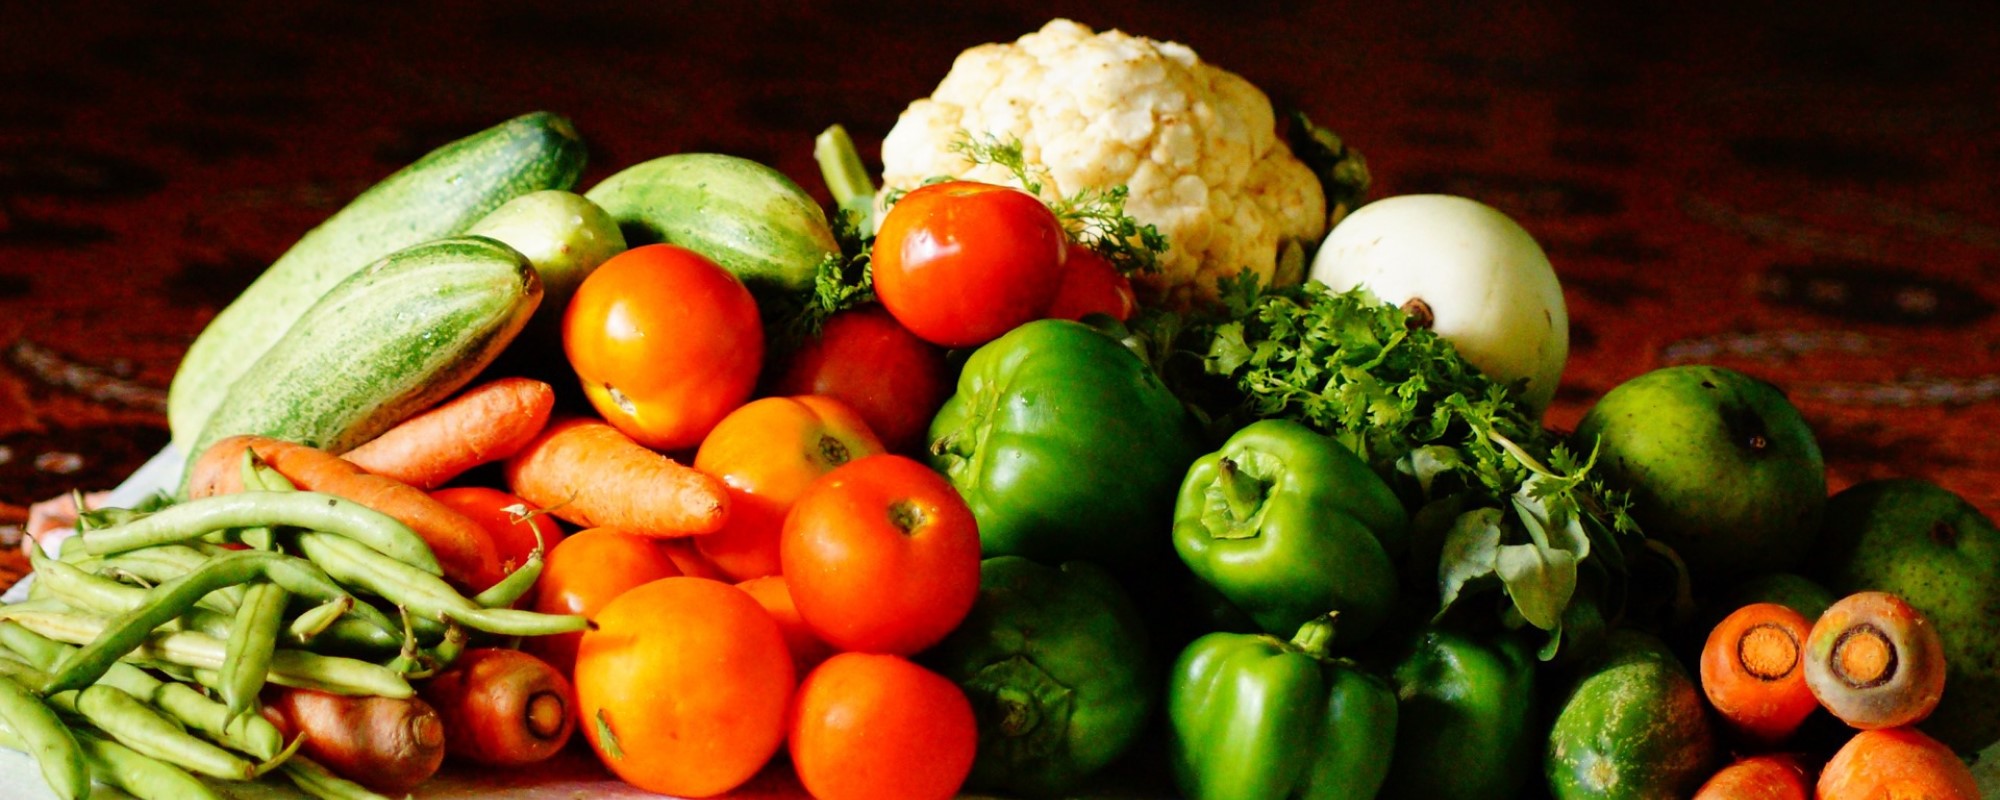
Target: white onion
(1488,287)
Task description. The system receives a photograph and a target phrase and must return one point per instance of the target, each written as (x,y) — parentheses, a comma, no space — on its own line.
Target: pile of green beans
(139,655)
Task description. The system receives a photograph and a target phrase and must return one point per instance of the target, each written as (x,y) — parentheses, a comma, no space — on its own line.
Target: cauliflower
(1197,147)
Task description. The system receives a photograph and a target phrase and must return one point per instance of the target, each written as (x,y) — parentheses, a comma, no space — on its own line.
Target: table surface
(1800,191)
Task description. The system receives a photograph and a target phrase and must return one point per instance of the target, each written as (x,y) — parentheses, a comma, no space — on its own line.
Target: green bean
(156,565)
(43,735)
(136,725)
(352,637)
(247,651)
(82,590)
(163,603)
(72,550)
(201,651)
(426,596)
(308,580)
(314,621)
(137,774)
(311,510)
(514,586)
(321,783)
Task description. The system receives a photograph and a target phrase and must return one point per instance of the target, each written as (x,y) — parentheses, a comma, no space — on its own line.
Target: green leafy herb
(1528,516)
(1095,217)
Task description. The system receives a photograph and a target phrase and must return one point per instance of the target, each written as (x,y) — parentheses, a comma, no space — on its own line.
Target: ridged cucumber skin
(439,195)
(391,340)
(745,216)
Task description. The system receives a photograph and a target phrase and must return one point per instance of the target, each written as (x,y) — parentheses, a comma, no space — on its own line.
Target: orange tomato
(683,687)
(768,452)
(875,726)
(665,342)
(584,574)
(514,524)
(772,593)
(1892,763)
(882,556)
(1768,776)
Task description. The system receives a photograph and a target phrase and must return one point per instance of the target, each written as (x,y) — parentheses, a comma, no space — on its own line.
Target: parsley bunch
(1502,502)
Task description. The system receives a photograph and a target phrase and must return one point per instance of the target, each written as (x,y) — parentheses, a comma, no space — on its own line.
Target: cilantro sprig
(1503,504)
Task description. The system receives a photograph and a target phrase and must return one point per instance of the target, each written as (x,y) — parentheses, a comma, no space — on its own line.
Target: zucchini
(439,195)
(743,215)
(391,340)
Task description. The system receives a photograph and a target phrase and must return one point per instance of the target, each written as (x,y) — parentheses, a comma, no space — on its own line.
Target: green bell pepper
(1066,446)
(1288,524)
(1252,717)
(1467,707)
(1055,661)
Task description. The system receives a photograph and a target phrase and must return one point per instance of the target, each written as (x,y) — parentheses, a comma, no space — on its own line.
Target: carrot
(1753,671)
(388,745)
(503,707)
(1875,661)
(586,472)
(470,559)
(1771,776)
(486,423)
(1896,762)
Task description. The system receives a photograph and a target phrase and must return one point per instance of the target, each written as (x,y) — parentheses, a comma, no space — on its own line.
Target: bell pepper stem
(1315,638)
(1241,493)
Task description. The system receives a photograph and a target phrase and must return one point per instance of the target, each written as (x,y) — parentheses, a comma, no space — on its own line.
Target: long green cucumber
(439,195)
(391,340)
(745,216)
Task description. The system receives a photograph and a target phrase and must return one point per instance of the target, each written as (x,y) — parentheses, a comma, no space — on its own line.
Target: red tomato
(583,575)
(882,556)
(1091,285)
(960,263)
(665,342)
(768,452)
(513,523)
(868,360)
(867,726)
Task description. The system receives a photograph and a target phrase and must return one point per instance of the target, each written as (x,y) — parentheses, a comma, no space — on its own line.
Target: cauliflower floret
(1196,145)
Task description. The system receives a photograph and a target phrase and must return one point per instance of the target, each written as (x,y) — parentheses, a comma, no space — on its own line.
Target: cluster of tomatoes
(792,628)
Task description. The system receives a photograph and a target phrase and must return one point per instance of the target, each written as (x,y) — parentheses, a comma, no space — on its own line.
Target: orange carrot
(386,744)
(1753,671)
(586,472)
(1875,661)
(1896,762)
(1772,776)
(465,551)
(486,423)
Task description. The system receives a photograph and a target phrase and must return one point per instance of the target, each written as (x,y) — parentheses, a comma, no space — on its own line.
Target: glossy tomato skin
(683,688)
(895,380)
(882,556)
(1091,285)
(961,262)
(517,526)
(767,452)
(665,343)
(584,574)
(868,726)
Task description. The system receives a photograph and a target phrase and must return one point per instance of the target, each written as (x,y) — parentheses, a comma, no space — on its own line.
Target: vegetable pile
(1102,444)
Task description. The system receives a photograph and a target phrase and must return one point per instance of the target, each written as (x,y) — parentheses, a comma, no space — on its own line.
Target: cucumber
(564,235)
(391,340)
(745,216)
(1634,726)
(439,195)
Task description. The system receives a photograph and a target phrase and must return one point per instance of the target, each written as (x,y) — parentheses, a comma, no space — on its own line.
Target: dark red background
(1801,191)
